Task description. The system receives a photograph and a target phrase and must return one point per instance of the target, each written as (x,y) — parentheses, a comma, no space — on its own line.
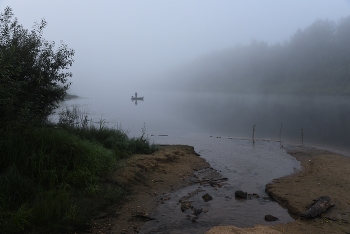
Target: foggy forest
(314,61)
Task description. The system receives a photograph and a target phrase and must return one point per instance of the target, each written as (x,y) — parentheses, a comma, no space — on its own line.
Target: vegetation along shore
(51,175)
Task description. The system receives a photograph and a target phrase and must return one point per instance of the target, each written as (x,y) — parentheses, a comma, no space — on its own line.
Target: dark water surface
(220,127)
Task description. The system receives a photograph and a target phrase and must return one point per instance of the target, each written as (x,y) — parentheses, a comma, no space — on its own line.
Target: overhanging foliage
(34,76)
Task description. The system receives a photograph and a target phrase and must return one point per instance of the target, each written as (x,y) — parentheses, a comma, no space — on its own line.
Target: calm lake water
(220,127)
(322,121)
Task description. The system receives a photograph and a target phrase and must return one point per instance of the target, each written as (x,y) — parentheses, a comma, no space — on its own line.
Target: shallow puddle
(247,167)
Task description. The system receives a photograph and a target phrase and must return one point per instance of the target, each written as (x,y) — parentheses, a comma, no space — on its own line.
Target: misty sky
(119,43)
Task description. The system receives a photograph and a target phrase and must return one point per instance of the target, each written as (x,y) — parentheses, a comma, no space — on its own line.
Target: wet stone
(206,197)
(241,194)
(185,205)
(270,218)
(197,212)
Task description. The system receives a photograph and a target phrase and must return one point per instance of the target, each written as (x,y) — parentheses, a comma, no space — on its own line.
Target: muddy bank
(150,179)
(323,174)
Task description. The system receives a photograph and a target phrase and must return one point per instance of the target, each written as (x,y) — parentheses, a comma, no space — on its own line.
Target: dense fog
(125,45)
(316,60)
(206,66)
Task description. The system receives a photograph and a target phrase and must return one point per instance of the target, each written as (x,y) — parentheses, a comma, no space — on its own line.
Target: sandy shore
(322,174)
(150,178)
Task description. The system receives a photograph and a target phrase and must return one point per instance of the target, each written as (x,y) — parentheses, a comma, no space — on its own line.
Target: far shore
(70,96)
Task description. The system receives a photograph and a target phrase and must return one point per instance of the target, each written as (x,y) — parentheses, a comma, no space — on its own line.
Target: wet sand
(151,178)
(323,173)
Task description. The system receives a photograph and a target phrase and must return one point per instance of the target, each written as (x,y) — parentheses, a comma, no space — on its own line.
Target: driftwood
(320,205)
(143,217)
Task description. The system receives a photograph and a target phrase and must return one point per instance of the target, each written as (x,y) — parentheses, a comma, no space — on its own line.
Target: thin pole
(253,133)
(281,134)
(302,136)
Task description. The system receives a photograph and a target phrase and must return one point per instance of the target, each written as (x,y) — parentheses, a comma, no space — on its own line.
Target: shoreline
(151,178)
(322,173)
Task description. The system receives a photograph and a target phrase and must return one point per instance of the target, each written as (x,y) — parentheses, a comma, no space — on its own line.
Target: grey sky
(121,42)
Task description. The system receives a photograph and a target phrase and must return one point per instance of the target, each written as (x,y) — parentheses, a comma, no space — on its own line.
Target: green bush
(33,77)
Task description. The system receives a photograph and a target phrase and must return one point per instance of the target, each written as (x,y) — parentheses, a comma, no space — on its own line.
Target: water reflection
(136,98)
(313,120)
(320,120)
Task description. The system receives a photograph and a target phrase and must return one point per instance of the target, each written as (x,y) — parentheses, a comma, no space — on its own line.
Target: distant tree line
(315,60)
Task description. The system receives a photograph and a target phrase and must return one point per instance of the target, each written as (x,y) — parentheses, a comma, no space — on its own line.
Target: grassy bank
(52,175)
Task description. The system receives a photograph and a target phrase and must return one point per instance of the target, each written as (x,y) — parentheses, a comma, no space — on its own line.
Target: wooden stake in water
(253,133)
(302,136)
(281,134)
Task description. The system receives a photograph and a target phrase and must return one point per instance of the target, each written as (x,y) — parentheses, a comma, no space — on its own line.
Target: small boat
(136,97)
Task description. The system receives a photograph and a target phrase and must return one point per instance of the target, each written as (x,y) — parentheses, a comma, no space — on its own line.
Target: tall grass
(50,175)
(77,122)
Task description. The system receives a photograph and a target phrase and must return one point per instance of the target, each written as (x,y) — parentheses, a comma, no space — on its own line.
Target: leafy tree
(33,74)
